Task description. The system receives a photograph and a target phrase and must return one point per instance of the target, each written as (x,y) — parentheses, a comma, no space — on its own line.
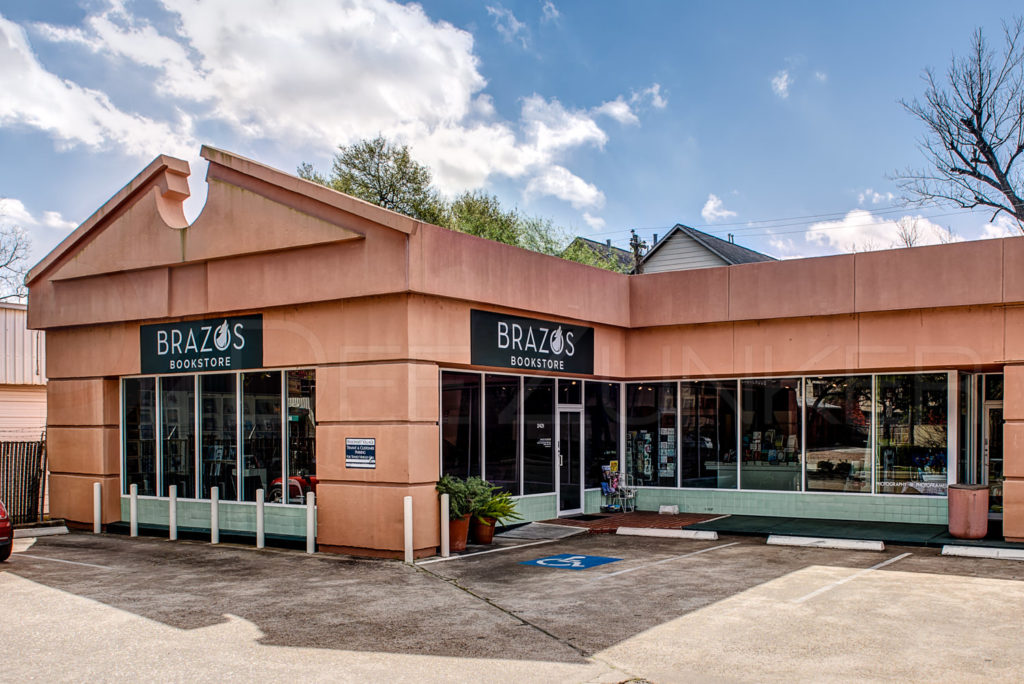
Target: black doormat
(585,517)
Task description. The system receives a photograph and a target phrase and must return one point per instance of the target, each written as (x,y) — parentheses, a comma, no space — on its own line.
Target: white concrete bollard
(97,507)
(407,515)
(133,510)
(260,532)
(445,519)
(172,512)
(214,515)
(310,522)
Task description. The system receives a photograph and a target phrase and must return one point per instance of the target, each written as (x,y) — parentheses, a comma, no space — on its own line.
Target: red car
(6,534)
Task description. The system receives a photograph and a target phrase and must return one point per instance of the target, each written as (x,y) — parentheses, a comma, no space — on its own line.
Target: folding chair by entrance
(625,495)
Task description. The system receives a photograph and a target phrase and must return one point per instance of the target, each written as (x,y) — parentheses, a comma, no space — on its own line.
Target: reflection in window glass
(501,431)
(570,391)
(139,435)
(301,437)
(651,433)
(460,424)
(771,435)
(966,466)
(261,432)
(218,433)
(177,404)
(994,387)
(601,429)
(539,430)
(912,433)
(708,434)
(838,434)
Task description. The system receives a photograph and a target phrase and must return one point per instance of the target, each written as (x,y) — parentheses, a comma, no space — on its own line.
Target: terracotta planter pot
(968,511)
(458,531)
(482,532)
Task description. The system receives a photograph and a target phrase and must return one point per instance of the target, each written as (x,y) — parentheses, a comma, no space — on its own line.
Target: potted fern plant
(458,510)
(488,506)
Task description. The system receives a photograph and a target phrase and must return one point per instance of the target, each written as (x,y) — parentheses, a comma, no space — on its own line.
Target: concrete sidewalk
(905,534)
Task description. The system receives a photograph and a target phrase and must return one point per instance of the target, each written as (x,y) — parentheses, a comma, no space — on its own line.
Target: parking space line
(59,560)
(480,553)
(664,560)
(837,583)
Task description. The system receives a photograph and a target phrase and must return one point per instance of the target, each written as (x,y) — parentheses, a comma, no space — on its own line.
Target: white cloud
(552,128)
(861,231)
(1003,227)
(558,181)
(619,110)
(549,12)
(595,222)
(71,114)
(510,28)
(44,231)
(872,197)
(338,71)
(714,210)
(651,94)
(781,84)
(820,76)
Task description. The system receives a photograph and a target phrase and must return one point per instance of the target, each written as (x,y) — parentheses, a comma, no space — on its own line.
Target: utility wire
(768,230)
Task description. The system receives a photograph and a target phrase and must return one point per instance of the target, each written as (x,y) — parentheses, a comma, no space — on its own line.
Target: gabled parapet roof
(170,175)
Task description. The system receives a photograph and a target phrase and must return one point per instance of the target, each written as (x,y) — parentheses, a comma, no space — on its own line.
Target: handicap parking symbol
(568,561)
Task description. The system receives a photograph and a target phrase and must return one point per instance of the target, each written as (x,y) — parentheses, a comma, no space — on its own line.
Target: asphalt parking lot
(112,608)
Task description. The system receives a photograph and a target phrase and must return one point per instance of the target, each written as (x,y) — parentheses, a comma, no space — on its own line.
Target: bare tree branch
(14,246)
(974,123)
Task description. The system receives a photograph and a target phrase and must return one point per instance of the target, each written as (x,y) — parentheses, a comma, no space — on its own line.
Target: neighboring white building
(22,377)
(685,248)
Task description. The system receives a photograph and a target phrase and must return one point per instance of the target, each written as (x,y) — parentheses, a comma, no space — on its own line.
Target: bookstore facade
(293,340)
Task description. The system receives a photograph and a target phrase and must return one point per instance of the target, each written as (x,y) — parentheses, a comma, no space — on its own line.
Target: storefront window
(912,433)
(301,436)
(218,429)
(570,392)
(771,435)
(601,429)
(651,433)
(139,434)
(460,424)
(261,432)
(177,422)
(994,387)
(539,431)
(501,431)
(708,434)
(839,434)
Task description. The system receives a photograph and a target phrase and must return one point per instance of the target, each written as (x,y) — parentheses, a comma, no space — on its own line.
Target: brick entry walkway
(608,523)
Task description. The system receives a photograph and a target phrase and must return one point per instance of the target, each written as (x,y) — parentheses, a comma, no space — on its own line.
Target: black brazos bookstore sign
(506,341)
(229,343)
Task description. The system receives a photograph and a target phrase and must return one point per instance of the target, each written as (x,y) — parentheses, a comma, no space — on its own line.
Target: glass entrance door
(992,455)
(570,462)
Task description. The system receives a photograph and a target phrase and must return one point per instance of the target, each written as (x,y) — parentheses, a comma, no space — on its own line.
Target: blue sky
(778,122)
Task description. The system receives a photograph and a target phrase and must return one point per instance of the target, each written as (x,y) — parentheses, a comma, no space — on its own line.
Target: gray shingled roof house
(685,248)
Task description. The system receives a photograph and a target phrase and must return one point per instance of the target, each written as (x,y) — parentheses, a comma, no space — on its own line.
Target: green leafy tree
(583,253)
(384,174)
(480,214)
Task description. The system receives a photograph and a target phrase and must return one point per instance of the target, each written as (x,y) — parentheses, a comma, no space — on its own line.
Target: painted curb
(703,535)
(826,543)
(983,552)
(27,532)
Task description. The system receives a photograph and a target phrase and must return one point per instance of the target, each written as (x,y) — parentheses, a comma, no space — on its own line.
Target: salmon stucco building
(294,339)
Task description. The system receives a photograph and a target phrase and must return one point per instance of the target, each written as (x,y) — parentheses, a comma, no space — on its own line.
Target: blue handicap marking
(568,561)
